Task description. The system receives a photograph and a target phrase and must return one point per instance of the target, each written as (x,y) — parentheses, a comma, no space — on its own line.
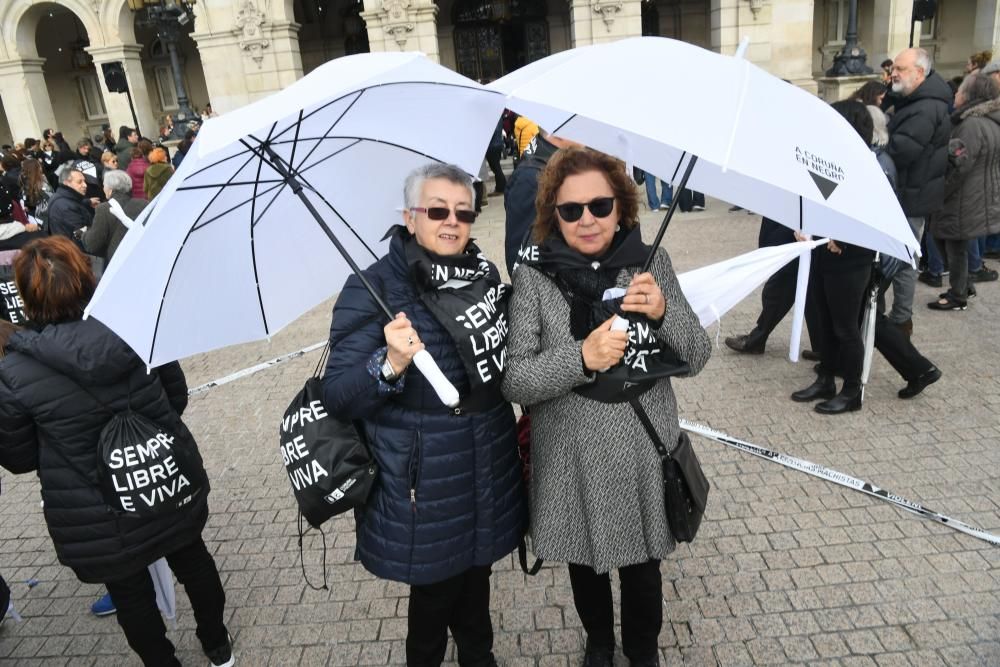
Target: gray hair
(67,173)
(880,134)
(414,183)
(978,88)
(923,60)
(118,182)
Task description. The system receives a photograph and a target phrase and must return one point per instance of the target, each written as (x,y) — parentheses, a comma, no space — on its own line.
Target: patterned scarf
(466,297)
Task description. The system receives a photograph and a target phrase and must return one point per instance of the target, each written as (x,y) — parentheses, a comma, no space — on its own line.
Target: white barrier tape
(254,369)
(836,477)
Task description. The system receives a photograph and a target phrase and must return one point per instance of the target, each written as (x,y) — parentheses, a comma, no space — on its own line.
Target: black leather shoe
(823,387)
(645,662)
(842,402)
(921,382)
(598,656)
(745,345)
(809,355)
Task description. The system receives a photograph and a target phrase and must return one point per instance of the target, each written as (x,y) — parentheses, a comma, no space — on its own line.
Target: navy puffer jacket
(49,423)
(449,494)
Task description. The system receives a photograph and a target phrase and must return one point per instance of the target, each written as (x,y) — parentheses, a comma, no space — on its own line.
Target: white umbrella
(737,133)
(163,584)
(277,202)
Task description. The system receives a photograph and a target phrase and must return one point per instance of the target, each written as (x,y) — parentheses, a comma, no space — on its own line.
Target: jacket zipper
(415,471)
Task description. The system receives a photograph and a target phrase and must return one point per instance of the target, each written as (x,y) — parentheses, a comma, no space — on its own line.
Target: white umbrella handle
(442,386)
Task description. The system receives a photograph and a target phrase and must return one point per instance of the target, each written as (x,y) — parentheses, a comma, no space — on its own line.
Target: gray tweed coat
(596,487)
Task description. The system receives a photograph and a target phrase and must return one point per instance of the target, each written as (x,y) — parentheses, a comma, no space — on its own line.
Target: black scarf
(582,281)
(466,297)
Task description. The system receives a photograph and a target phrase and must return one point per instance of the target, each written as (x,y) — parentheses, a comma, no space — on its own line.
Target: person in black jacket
(60,385)
(837,281)
(918,145)
(69,209)
(449,501)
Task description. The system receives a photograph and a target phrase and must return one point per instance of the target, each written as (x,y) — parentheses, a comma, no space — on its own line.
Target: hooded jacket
(972,189)
(918,145)
(50,424)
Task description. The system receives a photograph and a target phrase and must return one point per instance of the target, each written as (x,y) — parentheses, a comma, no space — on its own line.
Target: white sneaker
(697,208)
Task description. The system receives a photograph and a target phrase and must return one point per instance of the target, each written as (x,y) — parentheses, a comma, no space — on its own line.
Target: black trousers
(641,612)
(689,199)
(461,604)
(135,599)
(493,160)
(777,298)
(836,303)
(898,349)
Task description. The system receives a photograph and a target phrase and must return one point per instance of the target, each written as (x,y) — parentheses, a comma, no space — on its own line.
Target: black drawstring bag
(327,461)
(146,470)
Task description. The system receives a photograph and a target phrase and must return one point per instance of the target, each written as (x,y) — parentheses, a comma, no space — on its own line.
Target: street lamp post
(167,17)
(850,61)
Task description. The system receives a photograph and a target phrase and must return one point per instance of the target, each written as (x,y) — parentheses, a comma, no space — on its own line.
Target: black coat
(519,200)
(50,424)
(918,145)
(68,211)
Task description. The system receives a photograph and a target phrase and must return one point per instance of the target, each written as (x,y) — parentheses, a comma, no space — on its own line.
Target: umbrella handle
(442,386)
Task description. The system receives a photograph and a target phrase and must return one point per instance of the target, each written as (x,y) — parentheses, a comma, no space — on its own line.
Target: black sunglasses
(599,208)
(441,213)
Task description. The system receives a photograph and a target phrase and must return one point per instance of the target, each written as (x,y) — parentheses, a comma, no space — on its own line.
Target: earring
(618,228)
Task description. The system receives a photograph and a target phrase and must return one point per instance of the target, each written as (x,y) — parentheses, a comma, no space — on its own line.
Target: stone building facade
(236,51)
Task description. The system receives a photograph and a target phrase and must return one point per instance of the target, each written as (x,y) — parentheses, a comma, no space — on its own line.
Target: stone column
(25,97)
(252,59)
(732,20)
(791,42)
(890,30)
(117,103)
(986,34)
(601,21)
(403,25)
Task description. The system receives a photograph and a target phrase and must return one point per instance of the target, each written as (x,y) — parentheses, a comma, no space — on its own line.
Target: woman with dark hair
(60,386)
(596,478)
(449,501)
(872,93)
(837,282)
(14,233)
(971,208)
(35,189)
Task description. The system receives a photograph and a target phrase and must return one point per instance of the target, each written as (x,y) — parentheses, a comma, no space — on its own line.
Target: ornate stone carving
(755,7)
(249,20)
(608,10)
(396,20)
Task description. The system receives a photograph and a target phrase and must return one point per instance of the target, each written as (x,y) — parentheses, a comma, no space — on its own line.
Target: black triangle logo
(825,185)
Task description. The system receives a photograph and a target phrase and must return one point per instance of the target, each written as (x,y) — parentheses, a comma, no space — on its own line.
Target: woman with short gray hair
(107,231)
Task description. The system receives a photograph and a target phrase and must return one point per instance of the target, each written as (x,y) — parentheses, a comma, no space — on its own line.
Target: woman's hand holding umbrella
(402,341)
(604,347)
(644,296)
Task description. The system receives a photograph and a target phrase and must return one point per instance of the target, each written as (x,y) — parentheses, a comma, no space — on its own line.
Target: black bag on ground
(145,470)
(685,489)
(327,460)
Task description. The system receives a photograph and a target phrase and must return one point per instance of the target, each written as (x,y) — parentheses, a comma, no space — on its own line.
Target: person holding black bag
(449,500)
(66,388)
(597,478)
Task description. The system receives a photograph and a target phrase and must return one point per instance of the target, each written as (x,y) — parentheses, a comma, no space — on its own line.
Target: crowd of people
(453,495)
(47,187)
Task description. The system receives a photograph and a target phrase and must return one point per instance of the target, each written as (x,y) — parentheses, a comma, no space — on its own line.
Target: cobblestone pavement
(787,568)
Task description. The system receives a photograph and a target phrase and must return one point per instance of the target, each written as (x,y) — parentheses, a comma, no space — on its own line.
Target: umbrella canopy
(761,143)
(231,251)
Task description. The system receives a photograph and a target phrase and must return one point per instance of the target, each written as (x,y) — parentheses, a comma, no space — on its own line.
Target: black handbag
(685,489)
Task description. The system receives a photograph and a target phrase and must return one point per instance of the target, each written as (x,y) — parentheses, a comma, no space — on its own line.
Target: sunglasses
(442,213)
(599,208)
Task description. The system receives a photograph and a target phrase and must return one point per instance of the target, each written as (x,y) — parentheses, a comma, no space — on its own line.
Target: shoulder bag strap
(650,430)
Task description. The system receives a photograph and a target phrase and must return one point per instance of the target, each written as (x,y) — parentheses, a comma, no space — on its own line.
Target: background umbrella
(277,202)
(166,595)
(751,139)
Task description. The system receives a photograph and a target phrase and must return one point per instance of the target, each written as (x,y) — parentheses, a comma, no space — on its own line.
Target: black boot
(598,656)
(848,400)
(823,387)
(748,344)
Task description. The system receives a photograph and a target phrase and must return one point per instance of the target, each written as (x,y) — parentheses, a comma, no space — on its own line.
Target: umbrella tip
(741,50)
